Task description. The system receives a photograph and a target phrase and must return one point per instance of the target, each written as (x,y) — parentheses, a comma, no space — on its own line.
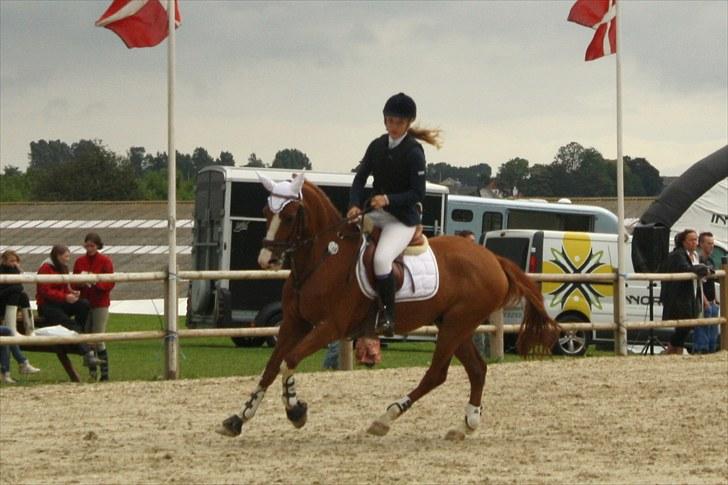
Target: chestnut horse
(322,302)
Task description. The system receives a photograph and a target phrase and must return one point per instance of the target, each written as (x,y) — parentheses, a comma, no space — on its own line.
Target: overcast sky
(501,78)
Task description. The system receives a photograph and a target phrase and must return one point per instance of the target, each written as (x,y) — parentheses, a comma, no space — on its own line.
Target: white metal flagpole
(171,340)
(621,343)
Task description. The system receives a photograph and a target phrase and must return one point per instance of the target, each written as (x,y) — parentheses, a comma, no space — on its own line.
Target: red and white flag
(599,15)
(139,23)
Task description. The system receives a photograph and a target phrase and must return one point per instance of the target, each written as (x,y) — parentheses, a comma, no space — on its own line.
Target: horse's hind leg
(476,369)
(447,341)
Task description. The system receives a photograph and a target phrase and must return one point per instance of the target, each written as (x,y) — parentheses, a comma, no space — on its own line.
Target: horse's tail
(538,332)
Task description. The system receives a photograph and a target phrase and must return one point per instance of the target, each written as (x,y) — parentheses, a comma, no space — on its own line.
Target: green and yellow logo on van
(577,256)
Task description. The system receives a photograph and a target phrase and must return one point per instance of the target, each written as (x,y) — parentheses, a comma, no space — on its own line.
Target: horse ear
(267,183)
(297,183)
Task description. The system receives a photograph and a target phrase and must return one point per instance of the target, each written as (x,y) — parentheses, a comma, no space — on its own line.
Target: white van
(560,252)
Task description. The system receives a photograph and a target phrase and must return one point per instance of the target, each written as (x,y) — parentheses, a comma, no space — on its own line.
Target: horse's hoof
(377,428)
(455,435)
(232,426)
(298,414)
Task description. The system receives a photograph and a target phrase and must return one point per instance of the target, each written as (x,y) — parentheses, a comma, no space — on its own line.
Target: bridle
(299,240)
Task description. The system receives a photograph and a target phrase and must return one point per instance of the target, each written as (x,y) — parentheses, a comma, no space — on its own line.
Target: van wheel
(248,342)
(572,343)
(274,321)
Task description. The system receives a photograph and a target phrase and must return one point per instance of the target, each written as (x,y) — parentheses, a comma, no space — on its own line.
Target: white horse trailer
(228,229)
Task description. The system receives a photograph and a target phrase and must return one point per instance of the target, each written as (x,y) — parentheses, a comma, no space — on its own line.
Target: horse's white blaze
(265,254)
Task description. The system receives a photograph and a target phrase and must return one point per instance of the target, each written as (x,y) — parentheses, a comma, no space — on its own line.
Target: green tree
(201,159)
(254,161)
(185,166)
(511,174)
(569,157)
(92,173)
(225,158)
(291,158)
(14,186)
(45,154)
(649,176)
(540,181)
(136,159)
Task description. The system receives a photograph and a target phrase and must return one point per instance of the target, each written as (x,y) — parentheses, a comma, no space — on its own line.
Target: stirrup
(383,325)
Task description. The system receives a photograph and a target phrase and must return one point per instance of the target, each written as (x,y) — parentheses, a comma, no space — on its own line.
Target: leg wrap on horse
(381,425)
(233,425)
(468,425)
(296,410)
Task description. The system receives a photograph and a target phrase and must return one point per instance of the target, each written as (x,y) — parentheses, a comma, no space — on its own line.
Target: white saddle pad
(421,277)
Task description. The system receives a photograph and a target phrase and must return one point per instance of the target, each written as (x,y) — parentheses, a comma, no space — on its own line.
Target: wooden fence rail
(497,328)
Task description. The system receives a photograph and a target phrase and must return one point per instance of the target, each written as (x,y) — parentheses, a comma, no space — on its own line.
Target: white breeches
(393,241)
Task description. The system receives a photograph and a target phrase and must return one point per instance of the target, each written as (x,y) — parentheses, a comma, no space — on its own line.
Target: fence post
(723,280)
(620,333)
(171,342)
(346,354)
(496,343)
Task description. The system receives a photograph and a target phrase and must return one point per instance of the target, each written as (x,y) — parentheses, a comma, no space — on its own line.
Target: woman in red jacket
(97,294)
(58,304)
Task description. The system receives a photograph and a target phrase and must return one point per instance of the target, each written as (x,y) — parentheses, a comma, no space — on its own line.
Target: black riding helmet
(401,106)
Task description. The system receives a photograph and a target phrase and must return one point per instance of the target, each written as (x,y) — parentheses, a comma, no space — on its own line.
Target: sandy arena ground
(608,420)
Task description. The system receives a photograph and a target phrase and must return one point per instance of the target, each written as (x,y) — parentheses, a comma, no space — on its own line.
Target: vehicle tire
(572,343)
(274,321)
(250,342)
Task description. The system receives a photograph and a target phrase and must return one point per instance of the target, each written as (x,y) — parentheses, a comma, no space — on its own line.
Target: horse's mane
(313,195)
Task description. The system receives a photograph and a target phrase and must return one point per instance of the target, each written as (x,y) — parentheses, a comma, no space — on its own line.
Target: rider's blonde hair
(431,136)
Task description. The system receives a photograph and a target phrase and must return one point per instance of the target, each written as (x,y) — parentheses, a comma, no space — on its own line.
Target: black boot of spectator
(103,355)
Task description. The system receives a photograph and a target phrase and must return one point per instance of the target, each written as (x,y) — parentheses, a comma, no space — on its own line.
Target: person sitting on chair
(397,163)
(60,305)
(13,296)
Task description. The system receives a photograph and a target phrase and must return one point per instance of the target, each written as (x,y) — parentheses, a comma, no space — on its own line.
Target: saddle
(417,245)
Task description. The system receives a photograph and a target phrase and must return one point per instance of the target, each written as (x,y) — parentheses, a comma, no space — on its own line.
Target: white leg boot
(29,320)
(11,318)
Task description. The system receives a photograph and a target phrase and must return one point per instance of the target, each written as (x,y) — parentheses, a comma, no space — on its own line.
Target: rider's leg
(392,242)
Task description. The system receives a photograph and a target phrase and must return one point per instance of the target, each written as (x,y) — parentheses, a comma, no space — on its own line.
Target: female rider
(397,163)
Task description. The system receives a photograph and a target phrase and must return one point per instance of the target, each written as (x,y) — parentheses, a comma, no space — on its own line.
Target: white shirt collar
(393,143)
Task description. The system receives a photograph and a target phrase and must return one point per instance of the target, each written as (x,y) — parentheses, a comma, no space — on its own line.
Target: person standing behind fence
(705,337)
(97,294)
(679,298)
(58,303)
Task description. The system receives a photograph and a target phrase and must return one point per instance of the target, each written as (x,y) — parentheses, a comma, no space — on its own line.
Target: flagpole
(171,340)
(621,342)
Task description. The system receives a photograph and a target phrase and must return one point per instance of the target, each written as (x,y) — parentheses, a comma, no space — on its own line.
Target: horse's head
(284,220)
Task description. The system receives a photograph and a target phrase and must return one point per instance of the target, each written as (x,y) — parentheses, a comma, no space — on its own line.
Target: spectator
(705,338)
(679,298)
(466,234)
(481,340)
(57,302)
(5,351)
(97,294)
(12,295)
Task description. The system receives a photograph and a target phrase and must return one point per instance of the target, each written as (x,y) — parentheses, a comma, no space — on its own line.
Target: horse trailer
(228,229)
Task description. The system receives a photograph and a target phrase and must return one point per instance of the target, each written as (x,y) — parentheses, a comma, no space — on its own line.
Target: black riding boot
(385,289)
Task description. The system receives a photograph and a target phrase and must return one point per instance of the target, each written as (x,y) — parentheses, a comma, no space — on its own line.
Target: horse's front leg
(288,336)
(296,409)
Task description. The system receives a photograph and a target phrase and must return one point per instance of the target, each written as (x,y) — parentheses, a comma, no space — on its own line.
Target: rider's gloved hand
(353,212)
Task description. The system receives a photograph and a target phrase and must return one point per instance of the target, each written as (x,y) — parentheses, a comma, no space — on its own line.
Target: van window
(461,215)
(513,248)
(492,221)
(530,219)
